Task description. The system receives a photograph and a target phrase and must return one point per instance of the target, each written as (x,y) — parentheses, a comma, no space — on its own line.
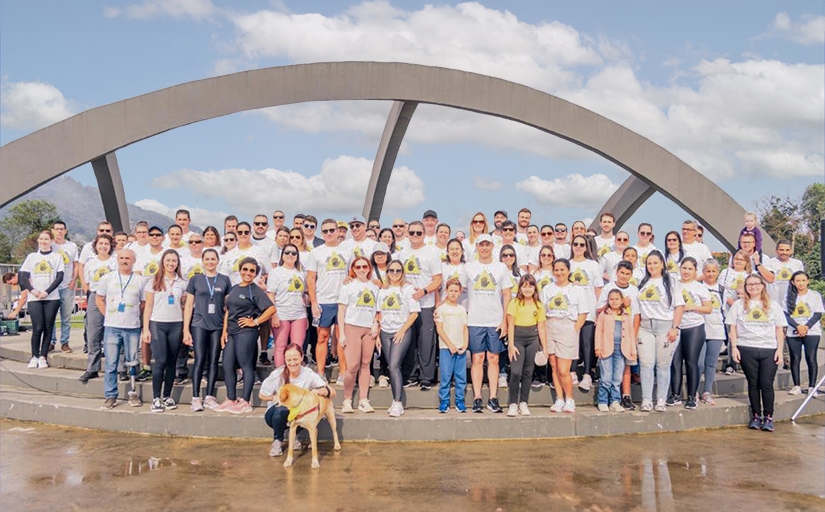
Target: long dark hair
(297,258)
(393,248)
(158,283)
(528,278)
(463,258)
(621,311)
(588,250)
(681,249)
(793,292)
(666,279)
(516,272)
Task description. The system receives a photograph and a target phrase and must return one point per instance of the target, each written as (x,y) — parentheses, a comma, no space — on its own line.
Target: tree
(20,228)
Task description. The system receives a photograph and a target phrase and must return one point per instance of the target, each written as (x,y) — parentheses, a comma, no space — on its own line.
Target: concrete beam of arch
(624,202)
(43,155)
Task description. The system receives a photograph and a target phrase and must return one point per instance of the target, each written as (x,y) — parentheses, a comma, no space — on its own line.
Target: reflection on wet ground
(53,468)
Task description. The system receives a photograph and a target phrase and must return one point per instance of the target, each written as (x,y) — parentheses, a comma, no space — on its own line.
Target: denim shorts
(329,314)
(485,339)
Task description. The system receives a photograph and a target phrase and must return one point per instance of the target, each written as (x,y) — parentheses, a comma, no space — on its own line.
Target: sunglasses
(356,225)
(622,239)
(104,230)
(672,239)
(244,232)
(508,255)
(155,234)
(248,270)
(309,226)
(394,271)
(329,231)
(399,225)
(508,229)
(563,230)
(296,237)
(416,233)
(645,233)
(547,233)
(228,239)
(290,253)
(579,244)
(688,229)
(478,222)
(195,242)
(361,267)
(264,223)
(277,217)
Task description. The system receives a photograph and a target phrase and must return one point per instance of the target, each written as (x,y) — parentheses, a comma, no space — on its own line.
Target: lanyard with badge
(211,287)
(121,307)
(171,297)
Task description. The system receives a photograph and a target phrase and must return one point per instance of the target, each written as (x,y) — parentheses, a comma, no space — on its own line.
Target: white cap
(484,238)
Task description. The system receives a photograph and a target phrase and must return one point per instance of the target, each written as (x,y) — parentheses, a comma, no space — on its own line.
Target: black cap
(501,212)
(429,213)
(155,228)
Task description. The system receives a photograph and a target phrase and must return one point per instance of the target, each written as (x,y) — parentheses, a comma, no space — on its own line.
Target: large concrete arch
(43,155)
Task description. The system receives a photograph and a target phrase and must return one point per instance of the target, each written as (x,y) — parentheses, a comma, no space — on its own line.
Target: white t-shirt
(783,273)
(95,270)
(190,266)
(43,269)
(513,284)
(631,291)
(360,299)
(307,379)
(531,252)
(231,262)
(289,287)
(400,245)
(363,248)
(642,252)
(561,251)
(168,304)
(587,275)
(420,266)
(395,305)
(565,302)
(521,253)
(672,263)
(68,251)
(332,266)
(86,253)
(485,283)
(266,244)
(148,264)
(604,245)
(638,275)
(449,271)
(806,306)
(699,251)
(756,327)
(693,294)
(609,263)
(731,280)
(454,321)
(714,322)
(125,290)
(543,278)
(653,303)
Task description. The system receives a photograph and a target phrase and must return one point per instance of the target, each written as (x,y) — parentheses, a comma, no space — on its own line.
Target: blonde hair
(751,214)
(763,296)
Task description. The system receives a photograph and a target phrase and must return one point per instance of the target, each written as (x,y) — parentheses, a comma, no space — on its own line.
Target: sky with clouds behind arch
(736,90)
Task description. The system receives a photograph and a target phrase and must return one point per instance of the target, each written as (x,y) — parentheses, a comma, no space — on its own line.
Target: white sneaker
(41,363)
(811,391)
(396,410)
(346,407)
(569,406)
(616,407)
(586,383)
(296,446)
(502,381)
(372,381)
(795,390)
(575,378)
(660,405)
(523,409)
(558,406)
(604,408)
(647,406)
(364,406)
(276,450)
(383,381)
(33,363)
(512,411)
(339,381)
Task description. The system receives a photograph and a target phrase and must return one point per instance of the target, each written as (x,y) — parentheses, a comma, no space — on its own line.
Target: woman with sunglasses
(211,238)
(661,306)
(230,240)
(357,332)
(478,227)
(247,307)
(610,260)
(296,237)
(757,334)
(245,249)
(526,330)
(674,254)
(387,236)
(203,325)
(586,275)
(645,242)
(397,312)
(379,260)
(578,228)
(544,271)
(286,288)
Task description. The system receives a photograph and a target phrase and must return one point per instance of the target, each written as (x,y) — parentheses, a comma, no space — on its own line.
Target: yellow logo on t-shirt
(195,270)
(357,251)
(714,301)
(757,314)
(801,311)
(411,266)
(650,294)
(738,282)
(366,299)
(99,273)
(579,277)
(784,274)
(484,281)
(65,256)
(634,281)
(296,284)
(391,302)
(151,269)
(335,262)
(604,250)
(542,283)
(671,266)
(43,268)
(558,302)
(688,298)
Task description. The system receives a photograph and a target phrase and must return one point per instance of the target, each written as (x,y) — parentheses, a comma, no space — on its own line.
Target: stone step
(414,425)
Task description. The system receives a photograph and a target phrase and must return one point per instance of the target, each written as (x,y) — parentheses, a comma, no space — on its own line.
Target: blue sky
(736,89)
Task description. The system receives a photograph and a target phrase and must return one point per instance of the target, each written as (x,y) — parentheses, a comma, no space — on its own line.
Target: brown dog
(308,409)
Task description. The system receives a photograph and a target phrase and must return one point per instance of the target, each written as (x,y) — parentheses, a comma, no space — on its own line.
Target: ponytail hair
(793,292)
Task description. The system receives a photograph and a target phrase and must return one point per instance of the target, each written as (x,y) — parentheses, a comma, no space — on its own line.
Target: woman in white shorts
(566,311)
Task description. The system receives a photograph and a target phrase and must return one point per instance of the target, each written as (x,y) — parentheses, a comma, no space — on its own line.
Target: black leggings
(587,349)
(795,346)
(394,354)
(690,346)
(43,314)
(243,348)
(760,370)
(521,368)
(207,345)
(166,340)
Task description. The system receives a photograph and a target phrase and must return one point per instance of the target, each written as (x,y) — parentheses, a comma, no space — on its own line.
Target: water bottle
(316,321)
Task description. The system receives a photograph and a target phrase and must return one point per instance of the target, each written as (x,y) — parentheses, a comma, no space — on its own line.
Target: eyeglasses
(416,233)
(399,225)
(248,270)
(228,239)
(141,232)
(277,217)
(508,255)
(155,234)
(290,253)
(508,229)
(688,229)
(264,223)
(478,222)
(394,271)
(309,226)
(361,267)
(645,233)
(579,244)
(244,232)
(329,231)
(195,242)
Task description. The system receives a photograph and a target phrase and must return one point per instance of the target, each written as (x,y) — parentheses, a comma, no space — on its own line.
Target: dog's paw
(315,464)
(337,447)
(288,463)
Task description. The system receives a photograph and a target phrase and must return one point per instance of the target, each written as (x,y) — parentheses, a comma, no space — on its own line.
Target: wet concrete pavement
(53,468)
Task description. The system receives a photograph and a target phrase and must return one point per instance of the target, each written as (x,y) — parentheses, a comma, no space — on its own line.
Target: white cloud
(808,30)
(339,188)
(572,191)
(32,105)
(195,9)
(200,216)
(485,184)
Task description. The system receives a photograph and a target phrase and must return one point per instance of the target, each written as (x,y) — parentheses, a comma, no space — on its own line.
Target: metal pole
(808,398)
(822,249)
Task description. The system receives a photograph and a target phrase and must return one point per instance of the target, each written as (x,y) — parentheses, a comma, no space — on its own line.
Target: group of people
(531,304)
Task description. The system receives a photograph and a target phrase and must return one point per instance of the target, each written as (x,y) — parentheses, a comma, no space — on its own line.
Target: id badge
(121,307)
(211,309)
(171,299)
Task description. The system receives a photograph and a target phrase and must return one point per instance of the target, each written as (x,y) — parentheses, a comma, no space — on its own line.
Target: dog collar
(293,413)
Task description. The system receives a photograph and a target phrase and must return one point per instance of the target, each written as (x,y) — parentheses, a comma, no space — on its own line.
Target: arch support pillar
(397,123)
(110,185)
(625,201)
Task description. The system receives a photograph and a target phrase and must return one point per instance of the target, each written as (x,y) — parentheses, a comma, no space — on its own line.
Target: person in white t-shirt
(508,237)
(611,259)
(86,253)
(68,250)
(260,223)
(694,248)
(478,227)
(645,243)
(586,274)
(147,261)
(783,267)
(399,229)
(359,244)
(175,240)
(286,287)
(522,223)
(757,333)
(560,246)
(803,311)
(430,222)
(605,239)
(442,236)
(96,269)
(715,334)
(453,343)
(183,219)
(532,247)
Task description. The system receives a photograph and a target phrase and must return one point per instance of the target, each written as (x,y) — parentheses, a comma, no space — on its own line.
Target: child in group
(752,229)
(451,325)
(615,343)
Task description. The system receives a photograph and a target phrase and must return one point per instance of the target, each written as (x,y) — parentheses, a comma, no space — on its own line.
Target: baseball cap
(501,212)
(355,219)
(429,213)
(381,247)
(484,238)
(155,228)
(342,224)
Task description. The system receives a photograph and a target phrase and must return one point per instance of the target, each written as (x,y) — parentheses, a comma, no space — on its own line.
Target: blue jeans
(452,365)
(66,308)
(115,338)
(612,368)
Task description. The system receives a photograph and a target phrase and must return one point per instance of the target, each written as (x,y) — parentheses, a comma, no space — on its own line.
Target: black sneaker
(144,375)
(426,386)
(264,359)
(181,381)
(673,400)
(122,376)
(690,403)
(767,424)
(478,405)
(86,376)
(627,403)
(411,383)
(756,422)
(493,405)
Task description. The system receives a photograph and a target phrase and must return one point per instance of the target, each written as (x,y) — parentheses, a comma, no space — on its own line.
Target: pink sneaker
(240,407)
(210,403)
(225,406)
